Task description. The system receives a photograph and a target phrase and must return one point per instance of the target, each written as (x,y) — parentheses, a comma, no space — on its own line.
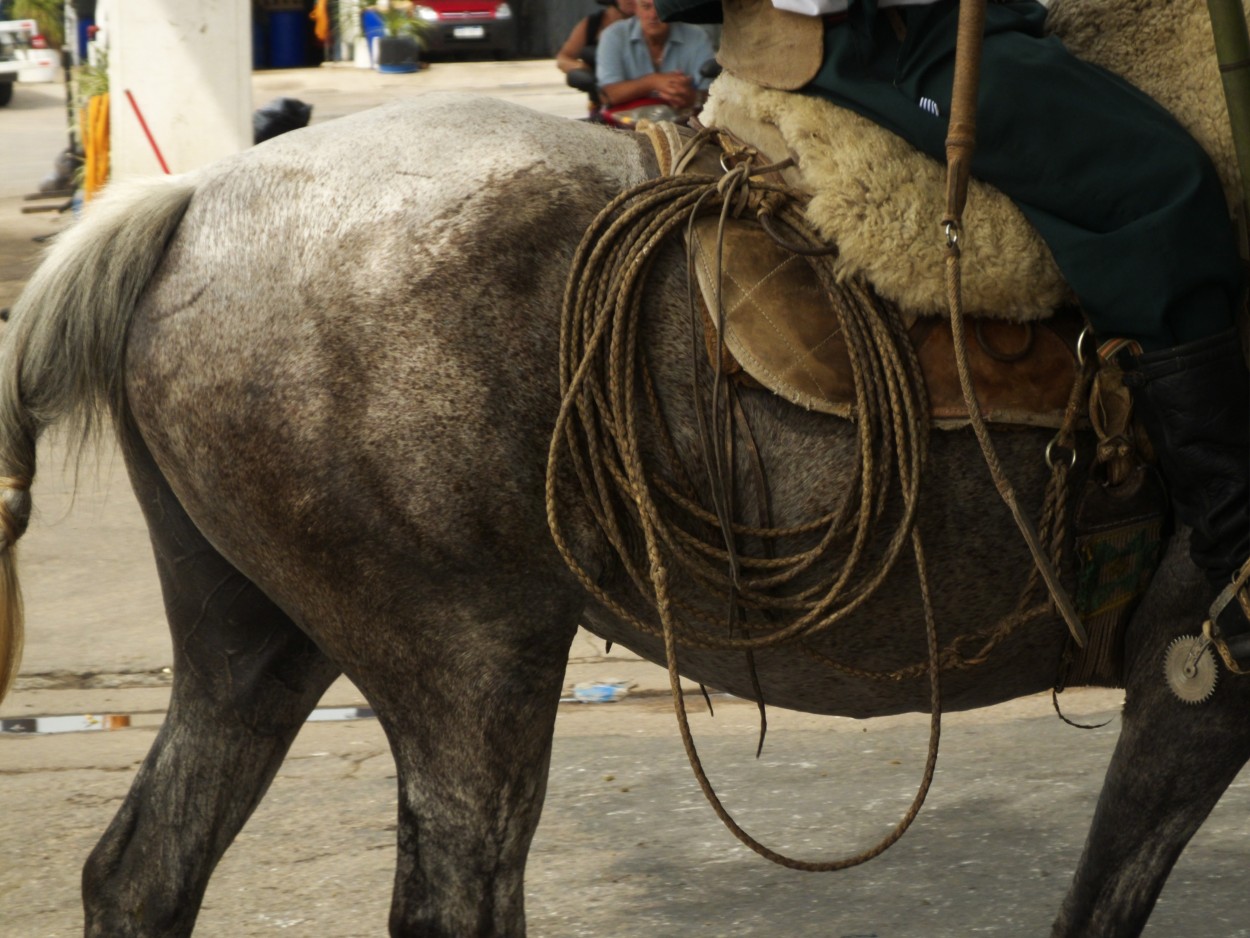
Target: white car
(24,56)
(41,63)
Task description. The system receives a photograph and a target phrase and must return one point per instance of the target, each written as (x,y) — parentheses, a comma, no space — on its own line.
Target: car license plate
(469,32)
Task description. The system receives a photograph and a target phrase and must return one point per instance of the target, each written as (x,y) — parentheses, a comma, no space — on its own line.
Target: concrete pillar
(188,65)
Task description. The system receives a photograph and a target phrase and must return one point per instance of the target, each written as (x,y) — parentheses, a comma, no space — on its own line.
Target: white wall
(188,64)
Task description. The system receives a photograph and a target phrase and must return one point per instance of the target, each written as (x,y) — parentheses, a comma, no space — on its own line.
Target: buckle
(1234,590)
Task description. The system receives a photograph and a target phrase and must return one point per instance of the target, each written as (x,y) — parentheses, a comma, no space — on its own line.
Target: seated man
(645,57)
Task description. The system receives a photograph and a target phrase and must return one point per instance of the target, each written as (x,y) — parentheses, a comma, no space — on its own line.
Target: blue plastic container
(288,38)
(84,24)
(371,26)
(260,56)
(397,55)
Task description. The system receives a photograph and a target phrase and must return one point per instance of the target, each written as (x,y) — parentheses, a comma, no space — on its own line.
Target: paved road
(627,847)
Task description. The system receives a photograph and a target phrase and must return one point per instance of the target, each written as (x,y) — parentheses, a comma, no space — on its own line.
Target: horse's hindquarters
(360,401)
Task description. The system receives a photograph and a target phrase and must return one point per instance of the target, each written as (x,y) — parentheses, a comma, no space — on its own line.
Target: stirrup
(1236,590)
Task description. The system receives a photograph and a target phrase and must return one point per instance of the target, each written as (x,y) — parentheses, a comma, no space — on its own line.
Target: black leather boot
(1194,401)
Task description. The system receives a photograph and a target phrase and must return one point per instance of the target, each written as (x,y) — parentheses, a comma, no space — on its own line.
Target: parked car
(478,26)
(15,37)
(8,65)
(40,63)
(24,56)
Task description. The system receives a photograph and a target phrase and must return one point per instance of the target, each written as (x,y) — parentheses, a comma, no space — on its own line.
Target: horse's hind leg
(245,678)
(1172,763)
(469,709)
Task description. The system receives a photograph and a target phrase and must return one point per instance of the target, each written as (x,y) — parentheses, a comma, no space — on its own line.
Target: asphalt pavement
(627,847)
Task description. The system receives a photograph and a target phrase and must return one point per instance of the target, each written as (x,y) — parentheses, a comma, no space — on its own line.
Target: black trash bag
(279,116)
(61,179)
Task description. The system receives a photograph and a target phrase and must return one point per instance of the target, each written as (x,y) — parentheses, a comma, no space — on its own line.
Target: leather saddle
(771,322)
(864,198)
(780,331)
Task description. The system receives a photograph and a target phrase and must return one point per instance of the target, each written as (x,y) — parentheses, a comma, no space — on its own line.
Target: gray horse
(334,381)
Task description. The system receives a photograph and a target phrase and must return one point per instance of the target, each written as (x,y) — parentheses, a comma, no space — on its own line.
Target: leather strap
(961,134)
(960,143)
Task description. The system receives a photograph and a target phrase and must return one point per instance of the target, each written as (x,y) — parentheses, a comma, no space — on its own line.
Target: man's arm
(569,56)
(618,92)
(611,61)
(675,89)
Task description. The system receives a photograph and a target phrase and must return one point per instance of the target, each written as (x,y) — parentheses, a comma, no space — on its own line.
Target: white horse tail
(63,351)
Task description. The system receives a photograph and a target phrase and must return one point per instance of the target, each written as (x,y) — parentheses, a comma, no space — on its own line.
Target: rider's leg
(1130,206)
(1194,401)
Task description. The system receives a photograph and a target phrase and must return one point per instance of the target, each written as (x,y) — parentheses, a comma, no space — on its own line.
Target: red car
(479,26)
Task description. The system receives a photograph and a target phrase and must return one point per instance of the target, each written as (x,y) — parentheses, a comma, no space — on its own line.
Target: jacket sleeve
(689,11)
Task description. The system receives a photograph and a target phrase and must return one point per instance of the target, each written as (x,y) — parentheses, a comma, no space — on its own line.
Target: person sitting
(578,51)
(645,57)
(1130,205)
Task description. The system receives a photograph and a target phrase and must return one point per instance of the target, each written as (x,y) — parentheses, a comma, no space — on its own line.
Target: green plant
(398,21)
(91,79)
(49,14)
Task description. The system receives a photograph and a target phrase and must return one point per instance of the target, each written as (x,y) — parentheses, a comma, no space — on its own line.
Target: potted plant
(399,48)
(49,14)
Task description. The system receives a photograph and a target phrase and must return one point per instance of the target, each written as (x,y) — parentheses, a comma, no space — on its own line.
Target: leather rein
(960,145)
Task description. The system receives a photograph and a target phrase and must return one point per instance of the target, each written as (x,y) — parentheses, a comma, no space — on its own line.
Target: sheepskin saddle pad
(775,326)
(879,200)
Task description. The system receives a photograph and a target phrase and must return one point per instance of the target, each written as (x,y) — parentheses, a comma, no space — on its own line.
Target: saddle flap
(776,321)
(779,325)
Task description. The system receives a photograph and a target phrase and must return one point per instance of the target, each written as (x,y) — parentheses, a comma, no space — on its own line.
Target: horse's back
(360,211)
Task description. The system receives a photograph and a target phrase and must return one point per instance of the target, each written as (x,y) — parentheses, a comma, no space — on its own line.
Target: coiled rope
(609,400)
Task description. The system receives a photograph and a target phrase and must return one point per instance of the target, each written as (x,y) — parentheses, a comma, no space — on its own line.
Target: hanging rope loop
(674,512)
(690,558)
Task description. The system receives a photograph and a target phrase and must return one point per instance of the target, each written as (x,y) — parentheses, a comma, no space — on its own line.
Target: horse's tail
(63,351)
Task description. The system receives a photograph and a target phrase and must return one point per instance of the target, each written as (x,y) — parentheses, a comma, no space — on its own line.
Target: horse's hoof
(1189,667)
